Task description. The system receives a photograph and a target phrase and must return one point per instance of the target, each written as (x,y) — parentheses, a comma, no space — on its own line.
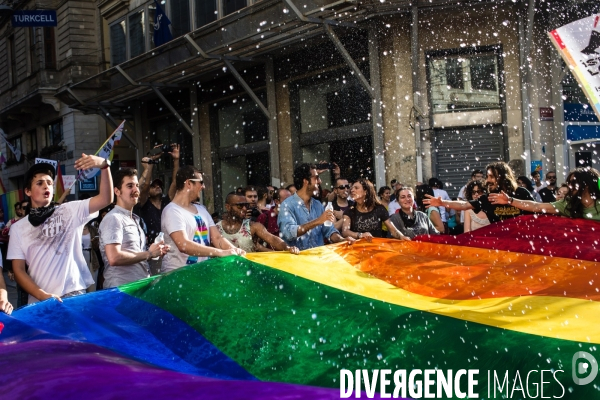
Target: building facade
(36,63)
(388,90)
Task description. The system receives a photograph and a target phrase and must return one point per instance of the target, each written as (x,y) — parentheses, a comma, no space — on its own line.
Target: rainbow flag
(275,325)
(8,200)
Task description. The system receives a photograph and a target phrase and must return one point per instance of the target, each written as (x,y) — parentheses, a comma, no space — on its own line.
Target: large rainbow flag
(521,307)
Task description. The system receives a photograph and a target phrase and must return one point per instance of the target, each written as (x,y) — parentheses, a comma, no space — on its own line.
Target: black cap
(157,182)
(38,169)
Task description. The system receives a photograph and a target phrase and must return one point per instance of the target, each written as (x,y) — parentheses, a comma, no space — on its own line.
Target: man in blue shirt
(301,217)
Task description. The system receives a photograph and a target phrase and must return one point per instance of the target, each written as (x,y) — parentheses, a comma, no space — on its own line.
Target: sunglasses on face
(477,191)
(342,187)
(242,205)
(551,177)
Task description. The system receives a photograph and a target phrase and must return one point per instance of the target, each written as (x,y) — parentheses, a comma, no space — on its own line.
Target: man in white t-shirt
(49,239)
(189,229)
(122,239)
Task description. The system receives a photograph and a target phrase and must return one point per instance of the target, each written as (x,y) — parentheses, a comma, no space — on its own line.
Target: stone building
(387,89)
(36,64)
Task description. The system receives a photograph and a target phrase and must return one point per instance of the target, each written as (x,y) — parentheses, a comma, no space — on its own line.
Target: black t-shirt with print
(337,207)
(499,212)
(369,221)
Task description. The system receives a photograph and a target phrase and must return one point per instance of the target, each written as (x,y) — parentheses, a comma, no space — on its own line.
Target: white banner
(68,180)
(44,160)
(105,151)
(579,45)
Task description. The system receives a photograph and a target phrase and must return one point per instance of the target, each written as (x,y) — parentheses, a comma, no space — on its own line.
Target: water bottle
(159,239)
(329,207)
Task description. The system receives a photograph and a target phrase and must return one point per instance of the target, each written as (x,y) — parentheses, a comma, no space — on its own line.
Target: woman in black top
(364,219)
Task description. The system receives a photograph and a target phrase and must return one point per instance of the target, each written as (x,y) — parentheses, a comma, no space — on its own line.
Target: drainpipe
(414,48)
(525,36)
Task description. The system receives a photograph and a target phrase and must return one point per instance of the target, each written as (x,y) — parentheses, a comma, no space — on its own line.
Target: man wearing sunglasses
(548,194)
(189,229)
(341,202)
(242,232)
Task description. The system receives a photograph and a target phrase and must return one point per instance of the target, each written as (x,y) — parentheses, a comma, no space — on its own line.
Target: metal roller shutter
(459,151)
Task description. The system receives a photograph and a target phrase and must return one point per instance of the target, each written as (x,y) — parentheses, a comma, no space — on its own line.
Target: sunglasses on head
(197,180)
(342,187)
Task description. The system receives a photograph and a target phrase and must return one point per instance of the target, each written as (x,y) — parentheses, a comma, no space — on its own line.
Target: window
(464,81)
(483,73)
(180,17)
(49,49)
(230,6)
(32,145)
(454,73)
(205,12)
(33,59)
(137,33)
(118,43)
(54,133)
(13,60)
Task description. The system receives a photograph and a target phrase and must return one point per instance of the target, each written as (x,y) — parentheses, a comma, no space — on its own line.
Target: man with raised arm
(49,239)
(189,229)
(500,177)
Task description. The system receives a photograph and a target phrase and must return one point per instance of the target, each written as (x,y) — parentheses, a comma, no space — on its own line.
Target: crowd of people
(132,230)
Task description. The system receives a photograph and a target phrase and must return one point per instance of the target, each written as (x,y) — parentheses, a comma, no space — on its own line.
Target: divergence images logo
(584,363)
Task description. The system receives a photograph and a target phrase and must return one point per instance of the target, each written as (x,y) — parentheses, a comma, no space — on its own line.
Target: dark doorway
(583,159)
(355,157)
(258,171)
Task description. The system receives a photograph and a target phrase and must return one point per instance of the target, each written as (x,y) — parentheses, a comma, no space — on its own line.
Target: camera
(166,148)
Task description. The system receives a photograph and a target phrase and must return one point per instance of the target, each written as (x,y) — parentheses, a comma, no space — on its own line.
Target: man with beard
(122,240)
(153,200)
(49,240)
(242,232)
(500,178)
(582,200)
(301,218)
(189,229)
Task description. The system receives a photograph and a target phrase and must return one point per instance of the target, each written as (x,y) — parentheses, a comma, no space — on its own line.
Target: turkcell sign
(34,18)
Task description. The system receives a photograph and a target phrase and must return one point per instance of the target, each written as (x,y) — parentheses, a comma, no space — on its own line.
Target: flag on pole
(579,45)
(162,33)
(12,148)
(105,151)
(2,189)
(59,186)
(2,158)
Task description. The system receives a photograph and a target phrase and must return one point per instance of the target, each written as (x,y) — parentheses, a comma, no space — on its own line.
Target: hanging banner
(33,18)
(579,45)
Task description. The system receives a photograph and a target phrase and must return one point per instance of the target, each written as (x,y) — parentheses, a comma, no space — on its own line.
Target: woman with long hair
(433,213)
(363,220)
(410,221)
(582,200)
(526,183)
(473,220)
